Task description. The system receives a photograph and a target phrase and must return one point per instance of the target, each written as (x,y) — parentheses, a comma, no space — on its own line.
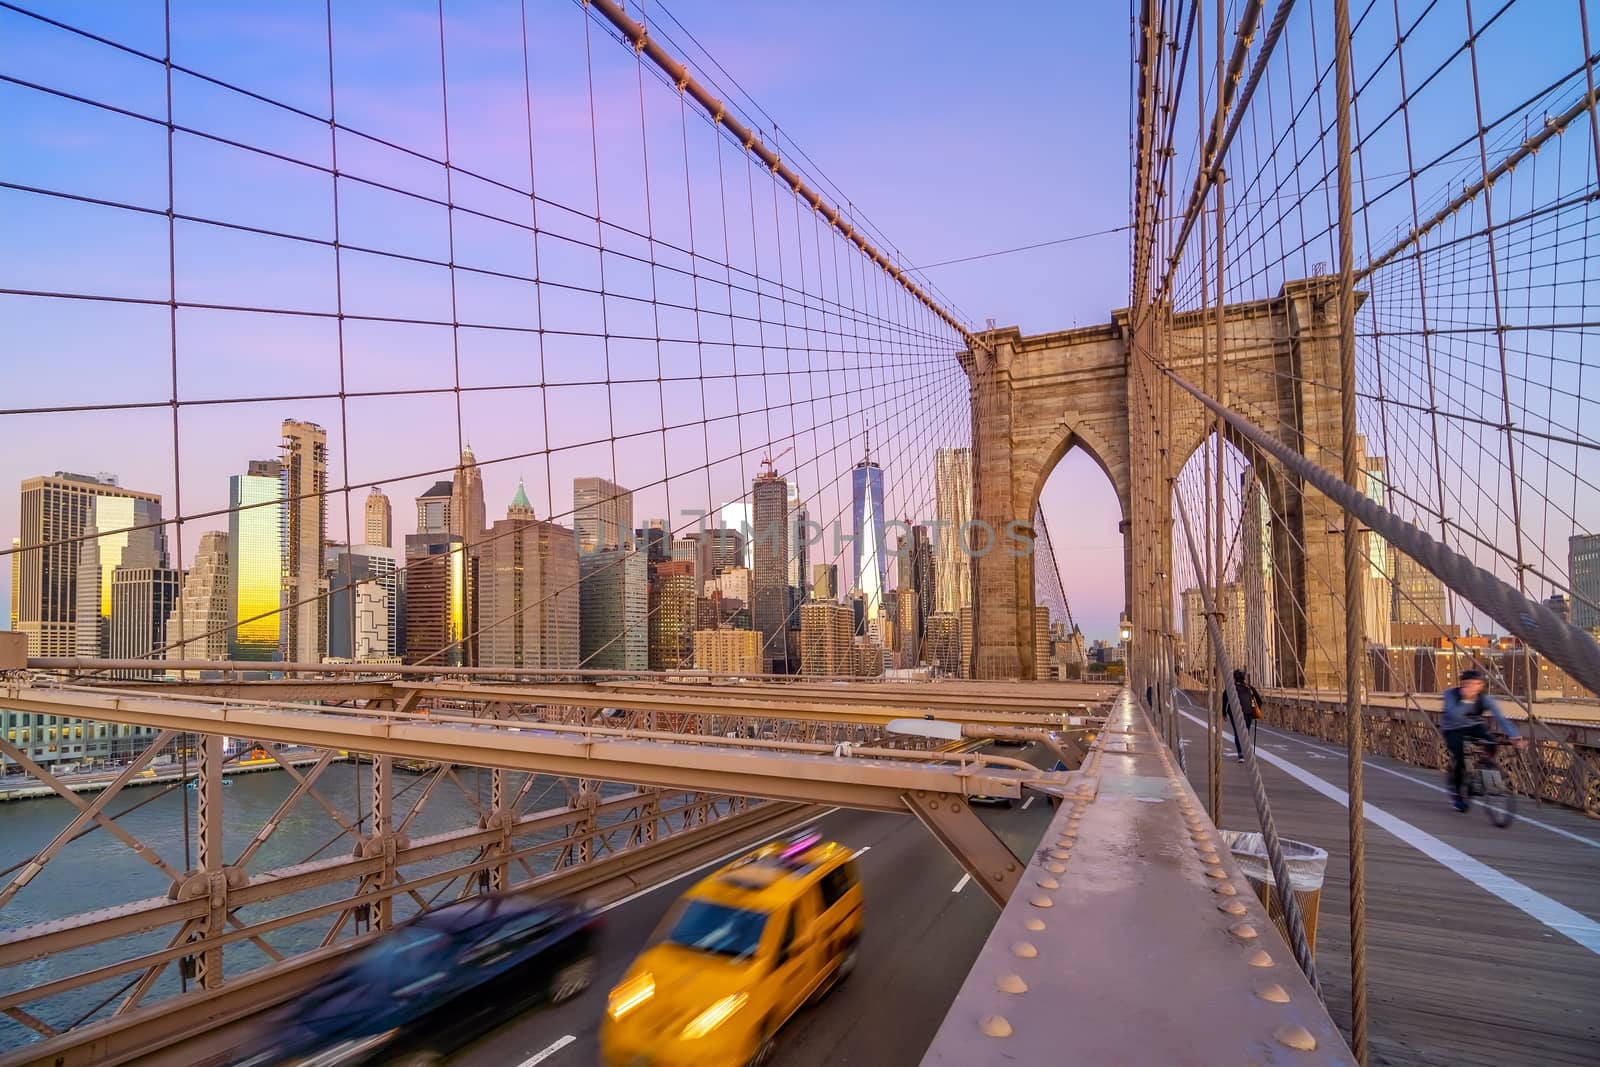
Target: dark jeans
(1233,721)
(1456,742)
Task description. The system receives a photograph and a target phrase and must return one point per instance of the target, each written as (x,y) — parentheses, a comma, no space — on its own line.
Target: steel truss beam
(770,770)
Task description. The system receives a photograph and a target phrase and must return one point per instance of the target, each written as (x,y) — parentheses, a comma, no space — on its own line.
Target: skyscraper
(909,628)
(1419,596)
(199,618)
(1042,670)
(16,578)
(305,535)
(799,546)
(614,600)
(141,600)
(738,517)
(915,567)
(652,540)
(433,509)
(825,581)
(380,519)
(602,513)
(827,633)
(727,651)
(672,616)
(718,549)
(770,572)
(871,555)
(1259,586)
(255,561)
(529,607)
(363,627)
(439,601)
(468,518)
(1583,576)
(941,645)
(99,558)
(56,511)
(952,478)
(1197,635)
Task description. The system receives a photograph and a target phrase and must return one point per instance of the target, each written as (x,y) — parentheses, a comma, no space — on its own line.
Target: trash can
(1307,865)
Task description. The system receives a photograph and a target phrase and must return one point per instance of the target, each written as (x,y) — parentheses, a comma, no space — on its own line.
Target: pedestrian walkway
(1483,944)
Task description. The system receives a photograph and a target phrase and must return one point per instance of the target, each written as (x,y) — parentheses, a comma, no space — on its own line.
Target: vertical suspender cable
(1353,652)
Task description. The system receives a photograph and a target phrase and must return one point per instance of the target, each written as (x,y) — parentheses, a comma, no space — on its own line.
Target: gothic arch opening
(1079,564)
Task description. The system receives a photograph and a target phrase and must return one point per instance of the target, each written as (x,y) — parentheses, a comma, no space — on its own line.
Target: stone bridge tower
(1034,398)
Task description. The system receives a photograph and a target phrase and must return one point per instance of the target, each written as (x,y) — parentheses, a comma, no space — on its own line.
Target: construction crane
(766,461)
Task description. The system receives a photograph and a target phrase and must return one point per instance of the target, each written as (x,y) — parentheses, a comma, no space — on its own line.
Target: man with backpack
(1252,709)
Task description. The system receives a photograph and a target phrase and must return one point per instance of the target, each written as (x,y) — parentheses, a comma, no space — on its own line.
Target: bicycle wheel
(1499,803)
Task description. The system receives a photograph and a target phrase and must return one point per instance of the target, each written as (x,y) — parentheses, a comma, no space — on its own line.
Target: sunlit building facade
(952,487)
(672,616)
(827,633)
(55,512)
(255,561)
(199,618)
(529,606)
(379,519)
(727,651)
(440,621)
(130,536)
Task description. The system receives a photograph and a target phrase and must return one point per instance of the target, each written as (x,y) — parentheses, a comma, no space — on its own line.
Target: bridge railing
(1555,769)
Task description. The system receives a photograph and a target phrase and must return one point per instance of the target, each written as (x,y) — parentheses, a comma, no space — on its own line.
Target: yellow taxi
(736,957)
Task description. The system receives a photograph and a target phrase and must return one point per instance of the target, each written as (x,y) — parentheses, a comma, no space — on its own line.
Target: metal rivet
(1011,983)
(1273,993)
(1295,1036)
(1210,857)
(1243,931)
(1203,845)
(1069,832)
(1033,924)
(1216,872)
(1226,889)
(1060,853)
(1049,883)
(1056,868)
(1042,901)
(1024,950)
(995,1026)
(1231,907)
(1259,958)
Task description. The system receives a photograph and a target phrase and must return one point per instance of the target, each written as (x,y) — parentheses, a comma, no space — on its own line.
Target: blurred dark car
(435,983)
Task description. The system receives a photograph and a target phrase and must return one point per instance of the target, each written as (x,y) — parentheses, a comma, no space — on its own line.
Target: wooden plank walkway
(1457,976)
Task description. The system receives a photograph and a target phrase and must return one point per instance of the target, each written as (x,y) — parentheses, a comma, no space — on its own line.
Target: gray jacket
(1455,717)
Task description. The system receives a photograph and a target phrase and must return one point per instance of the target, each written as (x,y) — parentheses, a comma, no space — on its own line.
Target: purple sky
(951,131)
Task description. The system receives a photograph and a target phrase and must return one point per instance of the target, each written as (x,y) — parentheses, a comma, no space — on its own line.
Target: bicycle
(1485,779)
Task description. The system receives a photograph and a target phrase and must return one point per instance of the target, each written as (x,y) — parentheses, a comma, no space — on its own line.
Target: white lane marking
(647,890)
(965,878)
(1591,842)
(544,1054)
(1552,913)
(1027,802)
(862,851)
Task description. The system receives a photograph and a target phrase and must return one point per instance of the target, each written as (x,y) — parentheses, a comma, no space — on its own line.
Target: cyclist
(1252,709)
(1461,720)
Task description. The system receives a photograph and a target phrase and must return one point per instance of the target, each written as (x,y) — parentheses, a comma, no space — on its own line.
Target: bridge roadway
(926,922)
(1483,944)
